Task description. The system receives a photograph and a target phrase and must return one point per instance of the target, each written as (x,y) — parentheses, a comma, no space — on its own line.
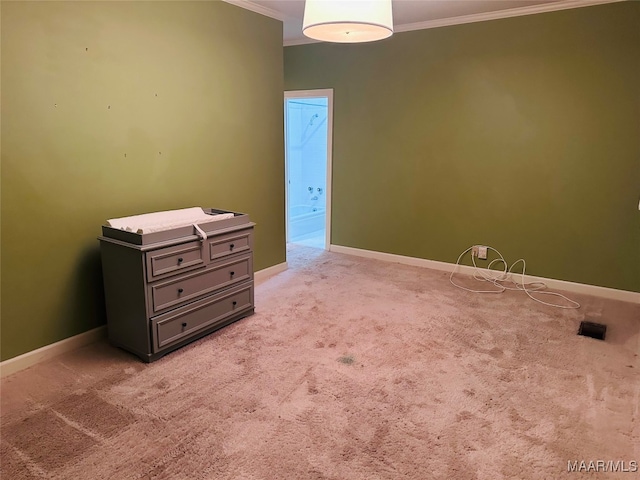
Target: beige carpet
(350,369)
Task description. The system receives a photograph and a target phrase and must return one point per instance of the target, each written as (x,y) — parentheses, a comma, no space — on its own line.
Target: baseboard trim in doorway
(603,292)
(48,352)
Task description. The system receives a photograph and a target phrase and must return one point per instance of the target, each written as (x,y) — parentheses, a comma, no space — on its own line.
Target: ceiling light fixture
(347,21)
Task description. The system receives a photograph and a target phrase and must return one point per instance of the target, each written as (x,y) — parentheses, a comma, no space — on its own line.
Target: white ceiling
(416,14)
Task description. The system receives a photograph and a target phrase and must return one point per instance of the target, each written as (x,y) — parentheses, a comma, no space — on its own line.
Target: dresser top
(157,239)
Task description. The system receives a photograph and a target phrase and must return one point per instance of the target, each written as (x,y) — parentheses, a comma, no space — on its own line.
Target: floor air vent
(593,330)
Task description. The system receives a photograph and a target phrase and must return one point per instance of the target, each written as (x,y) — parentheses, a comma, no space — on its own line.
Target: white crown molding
(254,7)
(300,41)
(481,17)
(507,13)
(596,291)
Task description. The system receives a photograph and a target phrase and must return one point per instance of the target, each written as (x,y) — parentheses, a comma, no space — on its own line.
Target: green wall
(521,134)
(119,108)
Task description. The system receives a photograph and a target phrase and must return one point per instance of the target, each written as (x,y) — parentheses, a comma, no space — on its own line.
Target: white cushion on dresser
(166,220)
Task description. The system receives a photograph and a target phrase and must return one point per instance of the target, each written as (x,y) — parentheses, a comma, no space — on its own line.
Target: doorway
(308,118)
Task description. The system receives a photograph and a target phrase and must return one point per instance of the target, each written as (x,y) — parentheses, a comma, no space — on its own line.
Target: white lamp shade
(347,21)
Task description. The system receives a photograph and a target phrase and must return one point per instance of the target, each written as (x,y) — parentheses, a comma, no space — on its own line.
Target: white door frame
(327,92)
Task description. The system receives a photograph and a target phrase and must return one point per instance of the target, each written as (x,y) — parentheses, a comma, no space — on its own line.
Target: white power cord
(497,278)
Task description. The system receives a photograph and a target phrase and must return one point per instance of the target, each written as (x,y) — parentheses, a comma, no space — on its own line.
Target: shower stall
(307,138)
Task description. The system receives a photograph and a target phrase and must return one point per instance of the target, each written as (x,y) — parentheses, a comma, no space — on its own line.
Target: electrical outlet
(474,251)
(482,252)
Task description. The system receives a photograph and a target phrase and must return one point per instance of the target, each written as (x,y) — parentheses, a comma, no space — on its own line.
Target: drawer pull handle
(184,324)
(232,273)
(234,303)
(180,290)
(231,245)
(180,260)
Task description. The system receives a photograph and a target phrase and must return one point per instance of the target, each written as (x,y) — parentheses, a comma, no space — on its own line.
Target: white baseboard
(68,344)
(266,273)
(29,359)
(47,352)
(604,292)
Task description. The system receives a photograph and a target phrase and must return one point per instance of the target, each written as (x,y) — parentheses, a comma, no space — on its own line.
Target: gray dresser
(166,289)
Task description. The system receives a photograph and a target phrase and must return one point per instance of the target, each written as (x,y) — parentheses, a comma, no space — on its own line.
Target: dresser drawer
(172,260)
(229,244)
(191,286)
(172,327)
